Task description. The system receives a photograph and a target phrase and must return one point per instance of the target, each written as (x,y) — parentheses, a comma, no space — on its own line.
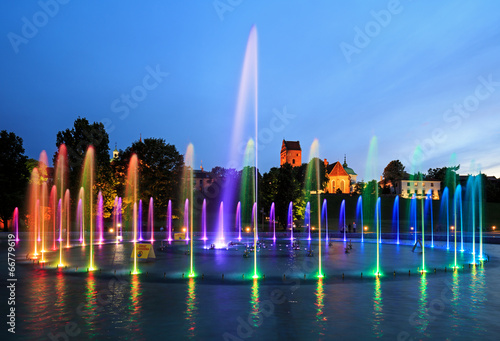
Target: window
(408,191)
(293,161)
(408,184)
(432,184)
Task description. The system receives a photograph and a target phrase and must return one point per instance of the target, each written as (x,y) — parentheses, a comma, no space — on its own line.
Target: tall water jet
(378,220)
(238,220)
(88,184)
(53,210)
(61,183)
(457,207)
(185,227)
(221,241)
(444,215)
(131,202)
(290,221)
(413,216)
(479,195)
(255,239)
(395,217)
(188,194)
(359,216)
(342,219)
(100,218)
(169,220)
(314,185)
(429,212)
(151,227)
(307,219)
(204,220)
(247,103)
(33,209)
(115,219)
(60,226)
(324,217)
(272,220)
(43,210)
(68,219)
(471,210)
(370,192)
(139,220)
(79,216)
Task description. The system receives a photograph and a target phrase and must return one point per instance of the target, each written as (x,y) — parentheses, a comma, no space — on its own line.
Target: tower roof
(292,145)
(336,169)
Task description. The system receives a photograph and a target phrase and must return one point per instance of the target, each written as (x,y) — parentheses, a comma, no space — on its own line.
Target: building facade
(420,188)
(291,153)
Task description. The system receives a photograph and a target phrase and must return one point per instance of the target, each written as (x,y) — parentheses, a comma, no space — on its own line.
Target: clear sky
(411,73)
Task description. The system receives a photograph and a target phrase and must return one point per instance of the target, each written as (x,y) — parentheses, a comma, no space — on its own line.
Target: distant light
(248,229)
(313,228)
(452,227)
(411,228)
(119,225)
(493,227)
(183,229)
(366,228)
(111,230)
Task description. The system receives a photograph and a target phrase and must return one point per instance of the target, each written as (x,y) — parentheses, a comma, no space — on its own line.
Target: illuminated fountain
(272,221)
(395,217)
(238,219)
(342,219)
(131,195)
(151,220)
(307,220)
(88,186)
(169,220)
(324,217)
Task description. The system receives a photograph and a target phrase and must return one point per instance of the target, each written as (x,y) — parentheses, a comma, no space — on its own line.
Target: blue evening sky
(411,73)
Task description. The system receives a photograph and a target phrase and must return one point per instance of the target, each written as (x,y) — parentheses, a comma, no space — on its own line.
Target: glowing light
(111,230)
(183,229)
(313,228)
(366,228)
(191,275)
(247,229)
(411,228)
(493,227)
(452,227)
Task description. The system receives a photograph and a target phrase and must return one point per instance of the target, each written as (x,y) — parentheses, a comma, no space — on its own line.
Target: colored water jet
(238,219)
(169,220)
(88,184)
(15,223)
(204,220)
(395,217)
(151,227)
(324,217)
(342,219)
(272,221)
(100,218)
(359,216)
(307,219)
(290,221)
(139,221)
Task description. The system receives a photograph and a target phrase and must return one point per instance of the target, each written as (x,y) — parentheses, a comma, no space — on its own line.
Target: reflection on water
(191,309)
(320,316)
(477,297)
(254,302)
(378,307)
(60,306)
(88,310)
(135,304)
(423,316)
(39,293)
(455,315)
